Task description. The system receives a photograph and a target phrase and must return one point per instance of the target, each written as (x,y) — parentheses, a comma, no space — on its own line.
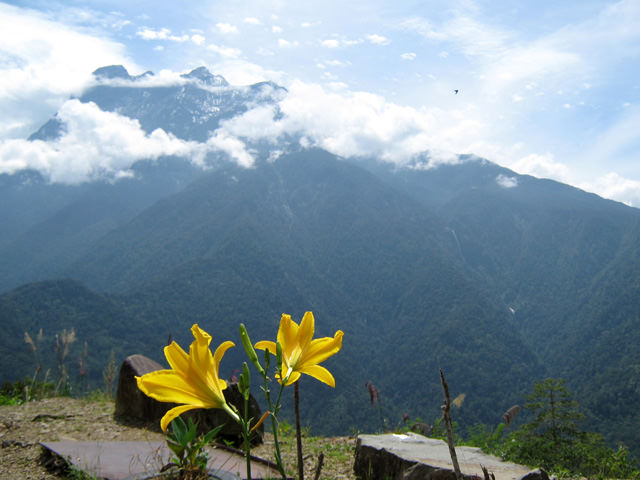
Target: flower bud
(244,383)
(248,347)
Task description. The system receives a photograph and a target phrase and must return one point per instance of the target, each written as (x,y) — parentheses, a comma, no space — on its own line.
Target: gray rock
(420,471)
(538,474)
(133,406)
(131,403)
(415,457)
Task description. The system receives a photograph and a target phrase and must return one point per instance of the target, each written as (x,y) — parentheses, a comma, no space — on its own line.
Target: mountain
(310,231)
(190,110)
(498,278)
(563,261)
(49,225)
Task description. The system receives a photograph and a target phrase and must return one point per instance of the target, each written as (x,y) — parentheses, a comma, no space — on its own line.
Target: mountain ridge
(498,278)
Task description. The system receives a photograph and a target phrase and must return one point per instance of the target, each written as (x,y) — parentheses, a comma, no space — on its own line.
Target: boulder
(134,406)
(131,403)
(538,474)
(415,457)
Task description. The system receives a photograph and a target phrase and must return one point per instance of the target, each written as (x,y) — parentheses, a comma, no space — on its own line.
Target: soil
(62,418)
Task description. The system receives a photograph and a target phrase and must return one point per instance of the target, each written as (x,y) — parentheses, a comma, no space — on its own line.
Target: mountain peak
(112,71)
(205,76)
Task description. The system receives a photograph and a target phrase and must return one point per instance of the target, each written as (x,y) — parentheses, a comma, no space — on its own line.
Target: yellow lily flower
(193,379)
(301,354)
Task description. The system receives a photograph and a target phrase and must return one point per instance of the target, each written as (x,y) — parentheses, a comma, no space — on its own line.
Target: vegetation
(535,286)
(189,449)
(553,440)
(549,435)
(429,267)
(26,390)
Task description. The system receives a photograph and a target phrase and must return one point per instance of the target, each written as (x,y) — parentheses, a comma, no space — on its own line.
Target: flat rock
(412,456)
(137,460)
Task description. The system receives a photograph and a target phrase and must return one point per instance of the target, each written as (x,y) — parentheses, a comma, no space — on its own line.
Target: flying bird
(456,91)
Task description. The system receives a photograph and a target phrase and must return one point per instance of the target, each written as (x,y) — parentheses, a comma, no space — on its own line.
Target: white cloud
(242,72)
(356,123)
(150,34)
(620,140)
(286,43)
(542,166)
(378,39)
(468,35)
(43,63)
(276,29)
(338,63)
(252,21)
(228,52)
(330,43)
(423,27)
(231,146)
(408,56)
(540,61)
(162,34)
(98,144)
(337,86)
(226,28)
(506,182)
(615,186)
(198,39)
(265,52)
(348,43)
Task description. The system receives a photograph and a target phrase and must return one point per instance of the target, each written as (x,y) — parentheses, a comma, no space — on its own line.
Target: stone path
(136,460)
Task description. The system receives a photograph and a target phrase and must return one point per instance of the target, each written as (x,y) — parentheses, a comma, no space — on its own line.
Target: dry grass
(62,418)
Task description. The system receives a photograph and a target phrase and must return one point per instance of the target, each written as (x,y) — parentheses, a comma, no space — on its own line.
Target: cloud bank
(352,124)
(104,145)
(37,73)
(98,144)
(554,99)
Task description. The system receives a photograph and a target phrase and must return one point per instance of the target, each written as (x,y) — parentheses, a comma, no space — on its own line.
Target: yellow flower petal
(300,352)
(168,386)
(287,334)
(266,345)
(199,351)
(293,378)
(178,359)
(220,351)
(306,330)
(320,373)
(193,379)
(322,348)
(172,414)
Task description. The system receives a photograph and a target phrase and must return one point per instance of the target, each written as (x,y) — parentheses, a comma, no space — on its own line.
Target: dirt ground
(58,419)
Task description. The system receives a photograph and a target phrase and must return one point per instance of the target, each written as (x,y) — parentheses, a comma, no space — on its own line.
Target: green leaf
(179,430)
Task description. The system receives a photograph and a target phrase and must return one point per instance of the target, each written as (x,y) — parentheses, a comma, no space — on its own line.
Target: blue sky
(544,87)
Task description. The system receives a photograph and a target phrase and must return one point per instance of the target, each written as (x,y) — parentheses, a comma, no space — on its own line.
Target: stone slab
(132,460)
(412,448)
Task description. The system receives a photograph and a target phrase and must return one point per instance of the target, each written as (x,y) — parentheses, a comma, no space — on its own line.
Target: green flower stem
(248,347)
(227,408)
(274,422)
(245,434)
(296,403)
